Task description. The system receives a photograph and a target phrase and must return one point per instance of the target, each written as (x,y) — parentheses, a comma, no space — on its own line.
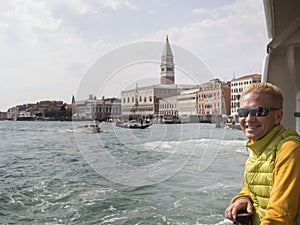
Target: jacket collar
(259,146)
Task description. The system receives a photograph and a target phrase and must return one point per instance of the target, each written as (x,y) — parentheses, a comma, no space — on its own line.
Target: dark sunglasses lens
(243,112)
(257,111)
(262,111)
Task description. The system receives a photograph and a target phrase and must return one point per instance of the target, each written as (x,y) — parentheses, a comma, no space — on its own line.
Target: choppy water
(54,173)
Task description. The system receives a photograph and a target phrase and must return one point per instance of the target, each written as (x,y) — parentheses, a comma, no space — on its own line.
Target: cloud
(151,12)
(231,40)
(79,6)
(117,4)
(46,46)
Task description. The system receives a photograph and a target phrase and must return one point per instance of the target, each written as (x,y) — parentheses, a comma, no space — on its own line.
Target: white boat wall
(282,64)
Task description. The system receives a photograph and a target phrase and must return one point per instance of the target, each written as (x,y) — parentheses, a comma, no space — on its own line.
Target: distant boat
(170,119)
(133,124)
(232,126)
(93,127)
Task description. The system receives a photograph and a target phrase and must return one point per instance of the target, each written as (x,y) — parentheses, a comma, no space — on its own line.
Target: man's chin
(250,135)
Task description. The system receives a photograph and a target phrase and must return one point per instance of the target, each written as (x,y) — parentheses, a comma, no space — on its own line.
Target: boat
(92,127)
(281,66)
(133,124)
(169,119)
(232,126)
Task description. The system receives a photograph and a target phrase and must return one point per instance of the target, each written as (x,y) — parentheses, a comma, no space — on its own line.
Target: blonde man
(271,193)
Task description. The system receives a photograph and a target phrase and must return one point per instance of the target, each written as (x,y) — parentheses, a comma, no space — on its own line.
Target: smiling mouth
(251,126)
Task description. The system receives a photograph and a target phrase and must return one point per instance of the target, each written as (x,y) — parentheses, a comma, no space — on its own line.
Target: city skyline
(49,46)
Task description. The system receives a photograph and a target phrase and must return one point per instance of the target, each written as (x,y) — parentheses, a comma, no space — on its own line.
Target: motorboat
(92,127)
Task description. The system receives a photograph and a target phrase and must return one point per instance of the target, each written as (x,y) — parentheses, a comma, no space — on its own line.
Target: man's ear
(279,115)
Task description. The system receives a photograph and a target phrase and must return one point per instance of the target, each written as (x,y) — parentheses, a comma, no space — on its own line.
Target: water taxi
(92,127)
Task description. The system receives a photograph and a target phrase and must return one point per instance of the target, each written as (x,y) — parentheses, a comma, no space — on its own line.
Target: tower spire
(167,65)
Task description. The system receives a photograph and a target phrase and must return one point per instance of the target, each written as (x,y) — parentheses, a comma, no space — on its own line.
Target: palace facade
(105,109)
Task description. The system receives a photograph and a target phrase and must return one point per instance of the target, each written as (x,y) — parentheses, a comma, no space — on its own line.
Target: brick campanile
(167,66)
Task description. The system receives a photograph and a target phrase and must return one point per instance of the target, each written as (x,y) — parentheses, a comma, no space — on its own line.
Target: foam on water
(185,175)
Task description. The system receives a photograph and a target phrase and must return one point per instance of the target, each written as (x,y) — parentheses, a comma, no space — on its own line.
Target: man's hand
(239,204)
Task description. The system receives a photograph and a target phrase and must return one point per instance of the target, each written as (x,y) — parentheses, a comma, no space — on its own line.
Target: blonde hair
(266,89)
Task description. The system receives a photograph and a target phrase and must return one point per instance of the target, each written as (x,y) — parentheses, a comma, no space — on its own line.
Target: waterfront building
(188,102)
(168,106)
(33,111)
(188,106)
(144,102)
(13,113)
(3,115)
(20,112)
(214,98)
(237,87)
(201,103)
(85,109)
(183,106)
(106,109)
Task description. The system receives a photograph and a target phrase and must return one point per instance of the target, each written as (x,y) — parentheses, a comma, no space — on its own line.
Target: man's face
(257,127)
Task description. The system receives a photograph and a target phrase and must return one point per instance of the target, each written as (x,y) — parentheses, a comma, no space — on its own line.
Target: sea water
(54,173)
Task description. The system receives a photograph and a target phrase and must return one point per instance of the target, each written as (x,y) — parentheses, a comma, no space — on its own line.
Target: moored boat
(133,124)
(170,119)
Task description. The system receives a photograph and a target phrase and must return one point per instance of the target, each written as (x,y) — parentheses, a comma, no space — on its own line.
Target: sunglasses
(255,111)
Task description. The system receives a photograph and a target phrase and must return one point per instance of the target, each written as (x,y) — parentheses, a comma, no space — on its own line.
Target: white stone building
(93,108)
(188,102)
(168,106)
(237,87)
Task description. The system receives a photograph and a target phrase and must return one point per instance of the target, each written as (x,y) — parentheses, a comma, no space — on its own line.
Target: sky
(48,49)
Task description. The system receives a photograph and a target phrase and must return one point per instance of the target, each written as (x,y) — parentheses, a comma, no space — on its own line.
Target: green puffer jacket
(259,169)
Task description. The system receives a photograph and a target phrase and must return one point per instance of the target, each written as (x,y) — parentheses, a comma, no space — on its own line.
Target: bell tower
(167,66)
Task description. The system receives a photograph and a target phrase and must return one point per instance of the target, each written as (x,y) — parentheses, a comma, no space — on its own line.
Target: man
(271,193)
